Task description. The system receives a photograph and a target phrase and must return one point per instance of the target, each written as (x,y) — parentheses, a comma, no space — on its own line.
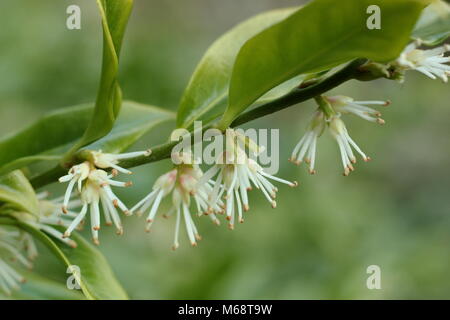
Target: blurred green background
(393,212)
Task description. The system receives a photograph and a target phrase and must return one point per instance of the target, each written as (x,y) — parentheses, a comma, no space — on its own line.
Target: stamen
(68,194)
(177,230)
(188,225)
(147,198)
(120,169)
(155,206)
(76,221)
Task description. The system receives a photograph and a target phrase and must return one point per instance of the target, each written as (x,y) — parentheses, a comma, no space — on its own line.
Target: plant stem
(302,94)
(163,151)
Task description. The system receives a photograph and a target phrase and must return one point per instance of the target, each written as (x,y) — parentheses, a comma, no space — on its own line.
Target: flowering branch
(352,71)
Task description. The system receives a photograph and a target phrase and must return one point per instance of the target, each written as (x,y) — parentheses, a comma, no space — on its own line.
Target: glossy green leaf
(16,192)
(41,138)
(282,89)
(39,288)
(96,279)
(434,24)
(208,88)
(134,121)
(51,136)
(321,35)
(115,16)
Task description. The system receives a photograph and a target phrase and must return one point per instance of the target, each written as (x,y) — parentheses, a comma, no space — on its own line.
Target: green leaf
(51,136)
(282,89)
(319,36)
(16,192)
(134,121)
(433,26)
(115,16)
(208,87)
(40,139)
(39,288)
(96,279)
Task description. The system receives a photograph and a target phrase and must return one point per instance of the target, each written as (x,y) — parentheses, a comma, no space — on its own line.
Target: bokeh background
(393,212)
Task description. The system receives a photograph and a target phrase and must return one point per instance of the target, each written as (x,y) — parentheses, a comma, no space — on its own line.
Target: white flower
(182,183)
(346,105)
(431,63)
(50,216)
(307,146)
(10,246)
(109,160)
(50,210)
(97,159)
(236,173)
(94,185)
(96,189)
(12,242)
(77,174)
(328,115)
(345,143)
(27,243)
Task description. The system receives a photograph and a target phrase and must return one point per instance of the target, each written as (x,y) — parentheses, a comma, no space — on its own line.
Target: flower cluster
(94,186)
(431,62)
(50,215)
(182,183)
(12,243)
(329,116)
(236,173)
